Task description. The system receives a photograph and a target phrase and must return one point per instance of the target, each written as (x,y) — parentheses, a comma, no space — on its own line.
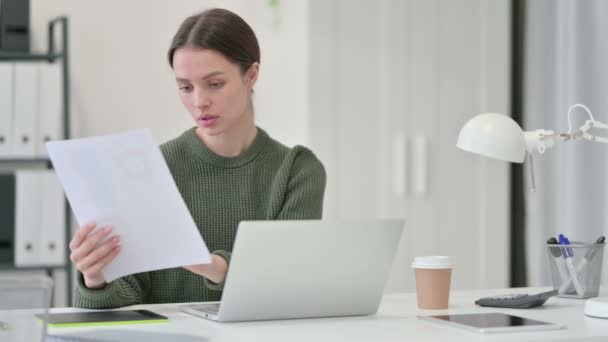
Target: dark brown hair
(220,30)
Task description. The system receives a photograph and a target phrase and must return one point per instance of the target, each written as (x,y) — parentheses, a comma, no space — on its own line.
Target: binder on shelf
(25,109)
(52,221)
(39,219)
(28,206)
(51,108)
(6,109)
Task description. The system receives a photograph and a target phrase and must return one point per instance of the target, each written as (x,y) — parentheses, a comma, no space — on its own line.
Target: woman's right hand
(90,256)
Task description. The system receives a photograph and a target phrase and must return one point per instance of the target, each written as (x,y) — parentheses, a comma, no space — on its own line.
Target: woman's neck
(232,142)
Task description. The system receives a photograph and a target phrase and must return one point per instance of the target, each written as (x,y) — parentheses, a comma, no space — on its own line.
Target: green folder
(100,318)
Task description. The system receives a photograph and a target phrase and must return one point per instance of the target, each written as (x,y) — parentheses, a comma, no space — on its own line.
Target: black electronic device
(97,318)
(516,301)
(14,26)
(492,322)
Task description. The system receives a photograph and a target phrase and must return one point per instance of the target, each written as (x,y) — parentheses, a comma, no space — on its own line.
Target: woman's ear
(252,74)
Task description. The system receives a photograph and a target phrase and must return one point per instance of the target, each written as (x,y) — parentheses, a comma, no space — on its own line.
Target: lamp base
(597,307)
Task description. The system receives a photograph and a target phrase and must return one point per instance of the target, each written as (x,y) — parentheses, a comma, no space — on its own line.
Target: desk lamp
(500,137)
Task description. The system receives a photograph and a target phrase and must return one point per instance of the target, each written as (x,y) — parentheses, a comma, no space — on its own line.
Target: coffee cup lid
(432,262)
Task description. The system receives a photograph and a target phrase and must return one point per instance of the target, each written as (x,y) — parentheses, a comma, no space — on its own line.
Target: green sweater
(268,181)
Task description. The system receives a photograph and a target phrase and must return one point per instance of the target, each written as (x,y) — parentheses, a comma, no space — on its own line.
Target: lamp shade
(493,135)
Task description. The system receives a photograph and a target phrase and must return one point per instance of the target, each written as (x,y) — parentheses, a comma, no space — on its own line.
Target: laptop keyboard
(212,308)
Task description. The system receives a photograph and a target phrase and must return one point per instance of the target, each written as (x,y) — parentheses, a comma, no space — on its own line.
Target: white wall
(398,72)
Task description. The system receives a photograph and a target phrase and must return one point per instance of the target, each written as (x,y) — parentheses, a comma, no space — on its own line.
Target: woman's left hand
(215,271)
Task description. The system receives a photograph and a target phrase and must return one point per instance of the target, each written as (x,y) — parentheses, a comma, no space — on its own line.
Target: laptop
(305,269)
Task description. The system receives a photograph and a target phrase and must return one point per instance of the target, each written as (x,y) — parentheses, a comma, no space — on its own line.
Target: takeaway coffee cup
(433,276)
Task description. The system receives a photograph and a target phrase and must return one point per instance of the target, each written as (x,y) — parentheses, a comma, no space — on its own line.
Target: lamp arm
(583,131)
(540,139)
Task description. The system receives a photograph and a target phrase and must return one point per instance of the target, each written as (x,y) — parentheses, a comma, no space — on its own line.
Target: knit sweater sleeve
(124,291)
(305,188)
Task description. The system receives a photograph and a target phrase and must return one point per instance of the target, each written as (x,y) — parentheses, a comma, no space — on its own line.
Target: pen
(568,254)
(563,273)
(588,256)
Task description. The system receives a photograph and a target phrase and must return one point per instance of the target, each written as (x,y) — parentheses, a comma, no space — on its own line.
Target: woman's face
(213,89)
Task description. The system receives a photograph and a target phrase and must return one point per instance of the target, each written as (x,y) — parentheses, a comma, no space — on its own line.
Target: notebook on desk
(98,318)
(303,269)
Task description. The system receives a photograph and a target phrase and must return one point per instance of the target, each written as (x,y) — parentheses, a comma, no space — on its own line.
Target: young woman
(226,169)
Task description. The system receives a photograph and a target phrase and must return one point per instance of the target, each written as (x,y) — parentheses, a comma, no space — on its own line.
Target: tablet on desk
(96,318)
(493,322)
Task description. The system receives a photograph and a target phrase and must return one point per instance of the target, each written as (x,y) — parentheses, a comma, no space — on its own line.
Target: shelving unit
(53,55)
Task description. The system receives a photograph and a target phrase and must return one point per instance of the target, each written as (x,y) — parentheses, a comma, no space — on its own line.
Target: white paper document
(123,180)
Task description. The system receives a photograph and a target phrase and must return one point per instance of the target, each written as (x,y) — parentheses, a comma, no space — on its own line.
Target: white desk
(395,321)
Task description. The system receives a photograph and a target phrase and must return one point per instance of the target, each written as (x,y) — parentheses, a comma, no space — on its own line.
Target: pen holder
(24,305)
(576,268)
